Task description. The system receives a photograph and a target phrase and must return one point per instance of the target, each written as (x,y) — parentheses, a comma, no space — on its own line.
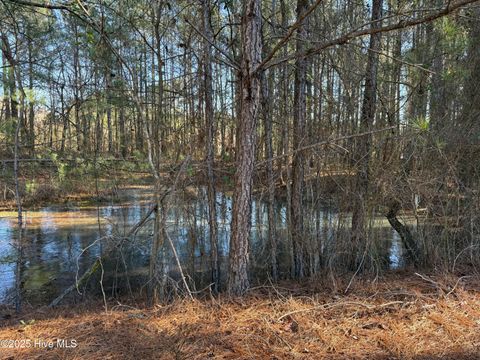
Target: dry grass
(400,317)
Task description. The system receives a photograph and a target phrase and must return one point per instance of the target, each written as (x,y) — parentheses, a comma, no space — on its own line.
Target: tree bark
(250,78)
(299,115)
(210,144)
(267,118)
(359,235)
(31,110)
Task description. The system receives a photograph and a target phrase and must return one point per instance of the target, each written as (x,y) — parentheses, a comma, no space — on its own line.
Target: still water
(57,242)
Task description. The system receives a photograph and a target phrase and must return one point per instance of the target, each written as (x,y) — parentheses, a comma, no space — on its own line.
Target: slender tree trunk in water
(154,145)
(18,270)
(157,244)
(267,118)
(267,92)
(284,143)
(159,227)
(359,236)
(19,117)
(250,102)
(153,296)
(299,114)
(210,144)
(18,199)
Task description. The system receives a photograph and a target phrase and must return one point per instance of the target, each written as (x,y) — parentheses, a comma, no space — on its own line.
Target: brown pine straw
(400,316)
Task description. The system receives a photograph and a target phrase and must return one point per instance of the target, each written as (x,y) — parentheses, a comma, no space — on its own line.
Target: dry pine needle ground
(398,317)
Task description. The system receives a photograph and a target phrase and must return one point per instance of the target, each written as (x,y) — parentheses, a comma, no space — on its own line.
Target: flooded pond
(59,241)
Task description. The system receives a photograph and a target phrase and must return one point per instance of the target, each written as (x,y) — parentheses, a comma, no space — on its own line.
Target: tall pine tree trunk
(299,115)
(250,103)
(210,143)
(359,216)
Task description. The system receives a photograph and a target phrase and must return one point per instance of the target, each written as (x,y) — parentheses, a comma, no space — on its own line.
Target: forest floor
(399,316)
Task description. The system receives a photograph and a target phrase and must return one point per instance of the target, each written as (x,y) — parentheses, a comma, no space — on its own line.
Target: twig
(230,61)
(357,271)
(289,34)
(434,283)
(347,37)
(456,284)
(172,189)
(179,265)
(326,142)
(460,253)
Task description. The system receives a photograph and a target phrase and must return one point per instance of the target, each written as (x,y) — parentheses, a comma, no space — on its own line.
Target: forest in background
(370,106)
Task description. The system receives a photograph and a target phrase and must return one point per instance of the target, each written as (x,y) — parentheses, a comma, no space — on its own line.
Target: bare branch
(289,34)
(326,142)
(230,61)
(401,24)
